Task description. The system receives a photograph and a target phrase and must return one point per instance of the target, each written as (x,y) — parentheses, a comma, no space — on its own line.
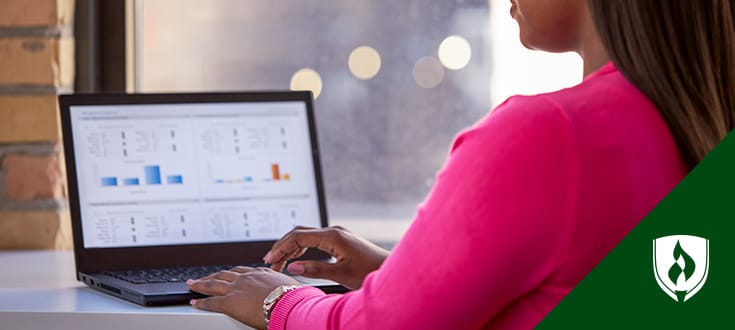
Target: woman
(534,195)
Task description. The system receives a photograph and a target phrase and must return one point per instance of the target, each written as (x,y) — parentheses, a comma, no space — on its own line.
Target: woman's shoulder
(605,90)
(519,122)
(604,103)
(603,118)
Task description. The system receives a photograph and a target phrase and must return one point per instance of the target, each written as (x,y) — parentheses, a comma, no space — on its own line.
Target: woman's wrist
(269,303)
(288,302)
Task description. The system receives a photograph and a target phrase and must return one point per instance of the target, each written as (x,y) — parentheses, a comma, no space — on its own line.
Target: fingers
(315,269)
(225,275)
(214,281)
(241,269)
(340,228)
(296,252)
(325,239)
(278,266)
(213,304)
(210,287)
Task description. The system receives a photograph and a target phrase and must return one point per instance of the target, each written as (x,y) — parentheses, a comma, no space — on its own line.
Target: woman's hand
(356,257)
(239,292)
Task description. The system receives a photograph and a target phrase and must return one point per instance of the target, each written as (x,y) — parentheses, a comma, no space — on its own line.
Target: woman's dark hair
(681,55)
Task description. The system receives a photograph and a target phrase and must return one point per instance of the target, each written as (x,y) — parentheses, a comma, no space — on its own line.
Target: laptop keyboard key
(170,275)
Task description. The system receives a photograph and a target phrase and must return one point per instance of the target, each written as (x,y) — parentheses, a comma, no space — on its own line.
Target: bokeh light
(364,62)
(428,72)
(307,80)
(455,52)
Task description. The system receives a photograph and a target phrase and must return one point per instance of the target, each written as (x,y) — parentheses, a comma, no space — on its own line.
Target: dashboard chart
(186,173)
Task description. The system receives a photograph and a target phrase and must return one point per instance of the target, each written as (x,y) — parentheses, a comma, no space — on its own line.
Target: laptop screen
(198,173)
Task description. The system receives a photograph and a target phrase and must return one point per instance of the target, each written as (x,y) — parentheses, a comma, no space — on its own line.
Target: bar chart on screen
(257,156)
(275,175)
(112,180)
(152,176)
(252,176)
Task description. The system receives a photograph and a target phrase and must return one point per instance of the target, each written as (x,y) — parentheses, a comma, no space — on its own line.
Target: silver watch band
(269,303)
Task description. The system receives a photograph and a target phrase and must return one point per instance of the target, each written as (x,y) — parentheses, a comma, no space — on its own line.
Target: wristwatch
(270,301)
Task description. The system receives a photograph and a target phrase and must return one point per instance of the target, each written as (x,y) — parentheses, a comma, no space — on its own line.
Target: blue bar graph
(109,182)
(152,174)
(174,179)
(131,181)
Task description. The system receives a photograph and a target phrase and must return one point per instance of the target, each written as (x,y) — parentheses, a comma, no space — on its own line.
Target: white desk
(39,290)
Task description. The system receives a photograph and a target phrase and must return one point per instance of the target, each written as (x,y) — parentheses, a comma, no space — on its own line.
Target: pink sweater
(531,199)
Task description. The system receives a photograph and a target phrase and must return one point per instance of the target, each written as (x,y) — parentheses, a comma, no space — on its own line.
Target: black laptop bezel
(90,260)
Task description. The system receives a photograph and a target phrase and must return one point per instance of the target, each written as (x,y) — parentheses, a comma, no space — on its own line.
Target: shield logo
(680,265)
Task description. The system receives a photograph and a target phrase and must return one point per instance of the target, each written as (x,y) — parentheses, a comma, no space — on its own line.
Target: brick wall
(36,63)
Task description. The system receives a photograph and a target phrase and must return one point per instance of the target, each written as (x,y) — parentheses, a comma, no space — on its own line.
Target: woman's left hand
(239,292)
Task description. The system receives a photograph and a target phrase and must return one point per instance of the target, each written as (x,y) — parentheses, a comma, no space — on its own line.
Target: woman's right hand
(355,257)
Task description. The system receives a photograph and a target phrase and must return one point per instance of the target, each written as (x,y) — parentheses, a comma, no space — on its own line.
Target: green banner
(675,270)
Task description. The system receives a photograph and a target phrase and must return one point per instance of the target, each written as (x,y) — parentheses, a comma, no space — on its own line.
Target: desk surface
(39,290)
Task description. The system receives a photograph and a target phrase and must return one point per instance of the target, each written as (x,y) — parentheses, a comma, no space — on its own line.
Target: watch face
(274,294)
(278,292)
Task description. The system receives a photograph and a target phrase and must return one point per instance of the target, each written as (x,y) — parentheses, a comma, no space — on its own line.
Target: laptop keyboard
(163,275)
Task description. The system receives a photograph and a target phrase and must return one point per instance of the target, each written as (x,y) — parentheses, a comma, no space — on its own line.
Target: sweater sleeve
(491,231)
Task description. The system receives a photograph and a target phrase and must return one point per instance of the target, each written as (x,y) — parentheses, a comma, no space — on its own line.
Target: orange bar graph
(276,172)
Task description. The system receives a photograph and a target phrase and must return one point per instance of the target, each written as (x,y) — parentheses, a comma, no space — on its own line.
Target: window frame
(102,40)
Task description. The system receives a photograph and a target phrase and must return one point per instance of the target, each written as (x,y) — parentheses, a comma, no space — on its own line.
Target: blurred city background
(394,81)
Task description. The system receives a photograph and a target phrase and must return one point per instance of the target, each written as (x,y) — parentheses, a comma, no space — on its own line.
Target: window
(394,80)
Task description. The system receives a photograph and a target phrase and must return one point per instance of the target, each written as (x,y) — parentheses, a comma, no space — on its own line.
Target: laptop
(167,187)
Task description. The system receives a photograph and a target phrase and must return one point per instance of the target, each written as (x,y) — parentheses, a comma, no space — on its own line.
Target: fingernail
(296,269)
(267,256)
(192,302)
(190,282)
